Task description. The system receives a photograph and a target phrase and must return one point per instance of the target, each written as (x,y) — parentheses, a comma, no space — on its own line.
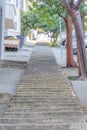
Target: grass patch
(73,77)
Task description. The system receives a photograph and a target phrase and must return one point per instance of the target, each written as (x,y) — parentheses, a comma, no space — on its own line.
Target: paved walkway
(44,99)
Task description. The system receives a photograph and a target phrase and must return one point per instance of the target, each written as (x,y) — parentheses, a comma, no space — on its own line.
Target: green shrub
(54,44)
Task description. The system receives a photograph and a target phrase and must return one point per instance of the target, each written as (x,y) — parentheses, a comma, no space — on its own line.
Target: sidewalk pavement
(80,86)
(10,75)
(9,79)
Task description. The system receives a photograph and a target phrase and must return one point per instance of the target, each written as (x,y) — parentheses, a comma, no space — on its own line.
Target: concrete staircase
(44,99)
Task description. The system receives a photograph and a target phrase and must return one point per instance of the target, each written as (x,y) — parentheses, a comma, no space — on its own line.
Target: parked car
(74,46)
(85,38)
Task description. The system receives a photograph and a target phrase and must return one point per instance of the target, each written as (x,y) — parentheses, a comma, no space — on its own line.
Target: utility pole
(2,20)
(60,36)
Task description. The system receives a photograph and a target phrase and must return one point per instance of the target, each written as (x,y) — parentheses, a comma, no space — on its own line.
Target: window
(15,25)
(16,3)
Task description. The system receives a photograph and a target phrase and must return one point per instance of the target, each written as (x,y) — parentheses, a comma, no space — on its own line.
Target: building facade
(12,16)
(25,4)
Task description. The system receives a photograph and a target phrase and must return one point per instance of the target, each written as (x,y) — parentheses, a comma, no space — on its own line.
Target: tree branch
(67,4)
(61,15)
(75,4)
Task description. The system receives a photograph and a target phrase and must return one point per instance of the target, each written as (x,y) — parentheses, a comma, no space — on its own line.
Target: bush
(54,44)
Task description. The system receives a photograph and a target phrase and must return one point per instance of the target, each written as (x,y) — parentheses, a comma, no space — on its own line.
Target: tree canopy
(44,14)
(41,16)
(29,20)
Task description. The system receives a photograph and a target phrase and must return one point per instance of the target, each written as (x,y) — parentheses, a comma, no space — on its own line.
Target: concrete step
(60,109)
(38,104)
(58,102)
(68,111)
(30,84)
(41,121)
(50,87)
(49,80)
(46,86)
(57,115)
(55,76)
(42,93)
(39,98)
(35,107)
(45,95)
(79,126)
(36,77)
(46,89)
(33,127)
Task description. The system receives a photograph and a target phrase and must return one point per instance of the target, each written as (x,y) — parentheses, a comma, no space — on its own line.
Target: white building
(12,18)
(25,4)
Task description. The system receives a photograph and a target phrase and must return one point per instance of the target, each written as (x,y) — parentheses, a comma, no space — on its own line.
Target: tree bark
(79,62)
(70,59)
(75,14)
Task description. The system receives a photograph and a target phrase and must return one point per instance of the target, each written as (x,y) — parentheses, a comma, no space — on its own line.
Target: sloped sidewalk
(44,99)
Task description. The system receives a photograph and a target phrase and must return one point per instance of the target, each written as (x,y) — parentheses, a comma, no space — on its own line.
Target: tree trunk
(79,62)
(70,59)
(80,41)
(83,24)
